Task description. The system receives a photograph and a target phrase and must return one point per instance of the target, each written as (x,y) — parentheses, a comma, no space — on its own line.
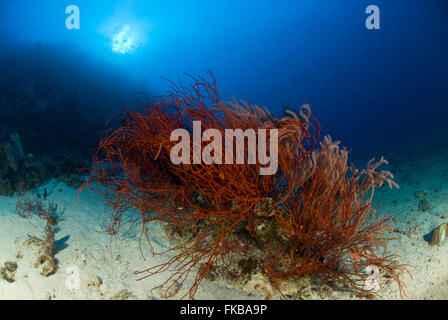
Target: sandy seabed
(106,265)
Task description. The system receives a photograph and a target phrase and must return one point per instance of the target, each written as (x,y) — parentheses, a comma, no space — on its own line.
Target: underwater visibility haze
(118,126)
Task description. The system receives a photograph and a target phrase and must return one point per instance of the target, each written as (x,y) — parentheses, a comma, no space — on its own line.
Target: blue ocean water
(391,80)
(380,92)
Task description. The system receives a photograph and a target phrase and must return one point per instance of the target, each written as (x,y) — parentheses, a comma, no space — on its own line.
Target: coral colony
(312,217)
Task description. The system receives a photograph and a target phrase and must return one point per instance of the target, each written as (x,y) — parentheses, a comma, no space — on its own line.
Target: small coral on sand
(26,207)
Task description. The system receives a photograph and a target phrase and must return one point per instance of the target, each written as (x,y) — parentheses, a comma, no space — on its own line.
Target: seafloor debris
(424,205)
(439,234)
(8,271)
(325,291)
(168,290)
(122,295)
(95,282)
(420,195)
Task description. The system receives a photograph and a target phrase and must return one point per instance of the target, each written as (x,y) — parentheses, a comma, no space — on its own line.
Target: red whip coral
(308,217)
(330,227)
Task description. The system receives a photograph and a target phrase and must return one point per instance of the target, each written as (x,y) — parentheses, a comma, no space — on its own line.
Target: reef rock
(18,172)
(259,284)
